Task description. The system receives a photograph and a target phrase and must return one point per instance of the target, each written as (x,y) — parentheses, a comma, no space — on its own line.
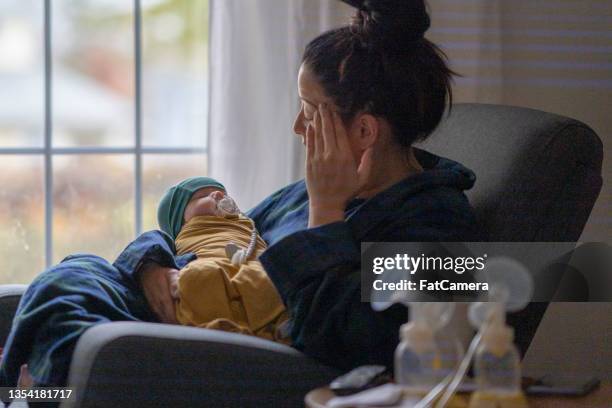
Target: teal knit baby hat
(172,205)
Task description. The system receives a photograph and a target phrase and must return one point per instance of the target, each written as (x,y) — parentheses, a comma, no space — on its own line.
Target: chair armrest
(127,364)
(9,300)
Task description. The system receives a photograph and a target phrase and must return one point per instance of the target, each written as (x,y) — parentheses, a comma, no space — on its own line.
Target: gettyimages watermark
(467,271)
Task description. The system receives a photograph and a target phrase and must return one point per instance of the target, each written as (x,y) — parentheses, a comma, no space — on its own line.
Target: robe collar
(437,172)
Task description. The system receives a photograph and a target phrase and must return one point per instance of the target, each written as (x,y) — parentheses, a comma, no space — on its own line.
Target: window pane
(93,198)
(93,72)
(22,221)
(160,172)
(175,72)
(21,73)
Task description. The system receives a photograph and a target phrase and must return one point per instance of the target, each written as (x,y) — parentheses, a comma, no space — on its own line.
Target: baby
(225,288)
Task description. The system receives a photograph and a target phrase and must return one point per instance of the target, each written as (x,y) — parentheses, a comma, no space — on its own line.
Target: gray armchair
(539,175)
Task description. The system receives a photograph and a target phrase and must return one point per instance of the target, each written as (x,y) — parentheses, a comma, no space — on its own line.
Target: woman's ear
(368,127)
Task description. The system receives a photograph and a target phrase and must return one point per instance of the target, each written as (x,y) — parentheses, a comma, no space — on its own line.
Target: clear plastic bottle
(497,362)
(498,369)
(417,358)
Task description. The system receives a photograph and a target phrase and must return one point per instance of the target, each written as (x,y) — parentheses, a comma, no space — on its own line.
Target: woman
(369,91)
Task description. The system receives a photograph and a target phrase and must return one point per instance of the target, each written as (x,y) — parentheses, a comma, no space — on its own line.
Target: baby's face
(204,202)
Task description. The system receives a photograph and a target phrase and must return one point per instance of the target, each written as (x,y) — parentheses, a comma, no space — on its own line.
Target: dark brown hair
(381,64)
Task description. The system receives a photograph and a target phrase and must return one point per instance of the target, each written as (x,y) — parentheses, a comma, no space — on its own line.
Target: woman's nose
(298,125)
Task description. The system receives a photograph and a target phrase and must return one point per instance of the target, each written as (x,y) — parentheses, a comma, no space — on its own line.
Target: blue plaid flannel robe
(315,270)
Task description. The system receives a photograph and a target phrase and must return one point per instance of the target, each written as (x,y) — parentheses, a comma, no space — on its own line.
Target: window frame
(48,151)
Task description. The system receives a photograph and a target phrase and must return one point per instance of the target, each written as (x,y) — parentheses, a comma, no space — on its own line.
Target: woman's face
(312,95)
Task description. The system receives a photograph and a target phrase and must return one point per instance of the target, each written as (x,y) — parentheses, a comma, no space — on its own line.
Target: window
(103,107)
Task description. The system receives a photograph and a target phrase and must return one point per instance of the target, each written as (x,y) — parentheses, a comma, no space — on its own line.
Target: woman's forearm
(316,272)
(309,254)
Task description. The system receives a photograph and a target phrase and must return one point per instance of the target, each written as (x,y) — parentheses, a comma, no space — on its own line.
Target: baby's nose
(217,195)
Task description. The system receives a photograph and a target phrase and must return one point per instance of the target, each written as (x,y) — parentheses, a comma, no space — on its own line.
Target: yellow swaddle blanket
(215,294)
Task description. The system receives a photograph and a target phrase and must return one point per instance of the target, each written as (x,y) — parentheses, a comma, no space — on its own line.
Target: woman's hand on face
(333,177)
(159,285)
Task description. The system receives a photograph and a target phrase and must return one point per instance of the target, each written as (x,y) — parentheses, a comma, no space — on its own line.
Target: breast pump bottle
(497,365)
(419,362)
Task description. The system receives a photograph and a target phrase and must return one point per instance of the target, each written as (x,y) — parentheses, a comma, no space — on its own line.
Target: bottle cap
(498,338)
(418,335)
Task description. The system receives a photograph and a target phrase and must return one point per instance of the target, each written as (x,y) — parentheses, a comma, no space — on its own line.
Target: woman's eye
(309,111)
(306,119)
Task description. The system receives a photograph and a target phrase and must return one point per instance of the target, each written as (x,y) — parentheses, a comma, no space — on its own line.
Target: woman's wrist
(321,216)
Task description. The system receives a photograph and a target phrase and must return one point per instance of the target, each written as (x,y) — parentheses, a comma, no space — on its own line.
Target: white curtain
(256,47)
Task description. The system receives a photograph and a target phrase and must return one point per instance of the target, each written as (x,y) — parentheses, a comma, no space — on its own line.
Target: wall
(556,56)
(551,55)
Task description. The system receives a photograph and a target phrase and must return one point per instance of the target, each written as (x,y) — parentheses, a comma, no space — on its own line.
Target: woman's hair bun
(382,65)
(395,21)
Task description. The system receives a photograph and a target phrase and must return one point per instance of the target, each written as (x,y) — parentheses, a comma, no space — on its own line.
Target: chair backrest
(537,174)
